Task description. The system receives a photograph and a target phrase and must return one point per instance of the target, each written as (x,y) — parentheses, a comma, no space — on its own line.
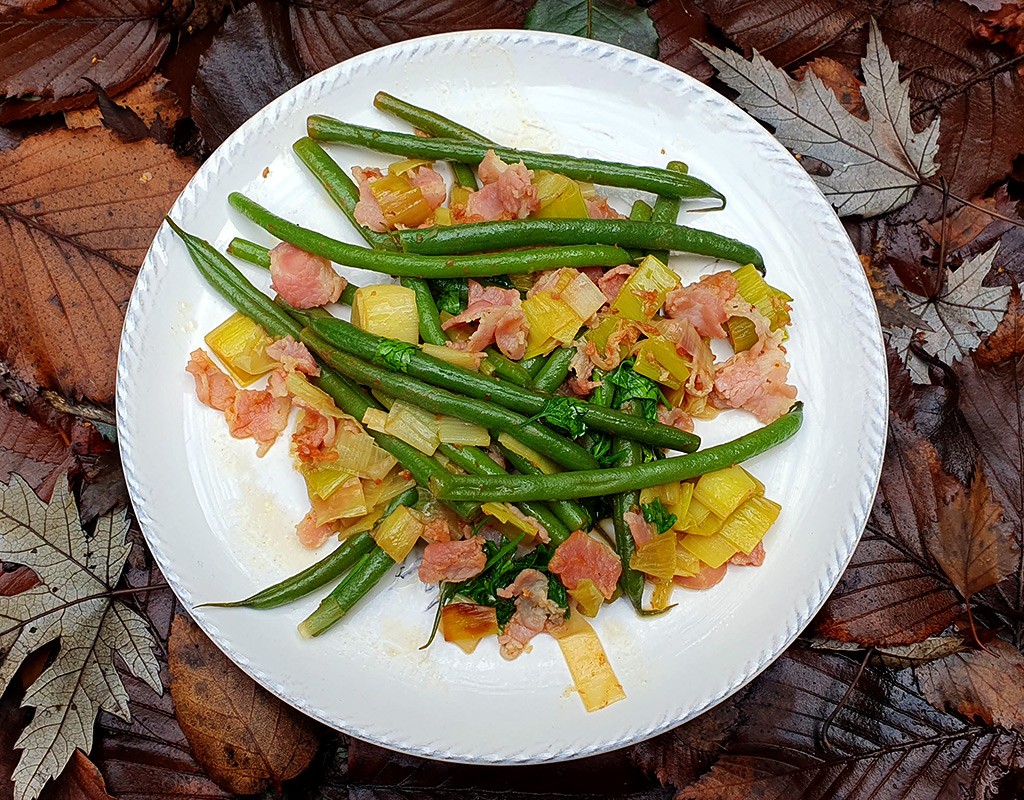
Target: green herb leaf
(656,514)
(565,413)
(613,21)
(630,385)
(394,355)
(451,294)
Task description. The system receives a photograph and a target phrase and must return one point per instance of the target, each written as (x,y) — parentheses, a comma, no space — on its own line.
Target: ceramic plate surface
(220,521)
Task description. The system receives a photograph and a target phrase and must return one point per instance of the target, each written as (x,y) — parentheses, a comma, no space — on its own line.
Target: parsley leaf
(656,514)
(394,355)
(630,385)
(565,413)
(451,294)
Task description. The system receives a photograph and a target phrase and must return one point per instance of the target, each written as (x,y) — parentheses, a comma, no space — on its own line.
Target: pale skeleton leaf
(955,322)
(82,680)
(876,164)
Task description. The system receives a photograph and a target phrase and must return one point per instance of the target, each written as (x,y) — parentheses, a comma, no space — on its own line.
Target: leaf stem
(149,587)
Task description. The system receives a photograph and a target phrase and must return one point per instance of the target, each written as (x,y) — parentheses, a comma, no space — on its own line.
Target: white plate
(220,521)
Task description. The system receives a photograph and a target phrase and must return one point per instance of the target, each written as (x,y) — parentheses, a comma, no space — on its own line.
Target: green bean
(340,188)
(476,462)
(608,173)
(630,454)
(366,346)
(233,286)
(416,266)
(331,566)
(426,310)
(533,365)
(363,577)
(657,234)
(555,370)
(435,125)
(595,483)
(666,209)
(439,401)
(258,255)
(498,364)
(573,515)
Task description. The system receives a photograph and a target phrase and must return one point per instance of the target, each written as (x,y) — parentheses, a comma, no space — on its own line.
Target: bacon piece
(705,303)
(598,208)
(490,169)
(689,343)
(257,414)
(302,279)
(534,613)
(621,340)
(581,556)
(312,535)
(453,561)
(214,387)
(368,211)
(294,356)
(501,320)
(676,417)
(612,281)
(430,183)
(508,191)
(484,205)
(580,383)
(276,383)
(642,530)
(541,531)
(755,380)
(754,559)
(705,579)
(437,530)
(314,437)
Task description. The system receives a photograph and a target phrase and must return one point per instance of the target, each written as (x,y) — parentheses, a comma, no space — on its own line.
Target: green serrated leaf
(613,21)
(565,413)
(394,355)
(655,513)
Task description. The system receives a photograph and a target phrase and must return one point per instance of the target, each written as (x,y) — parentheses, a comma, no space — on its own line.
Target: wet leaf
(884,740)
(250,62)
(331,31)
(678,23)
(80,781)
(32,449)
(613,21)
(68,259)
(840,79)
(1005,24)
(875,164)
(72,603)
(898,656)
(150,100)
(48,56)
(987,684)
(246,739)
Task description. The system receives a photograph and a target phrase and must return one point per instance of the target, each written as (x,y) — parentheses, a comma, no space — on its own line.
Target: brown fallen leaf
(80,780)
(196,14)
(246,739)
(678,22)
(149,100)
(45,57)
(1005,24)
(11,8)
(987,684)
(39,452)
(841,80)
(893,310)
(967,223)
(68,259)
(898,656)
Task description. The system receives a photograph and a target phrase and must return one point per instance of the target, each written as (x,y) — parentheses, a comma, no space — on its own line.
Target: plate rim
(843,549)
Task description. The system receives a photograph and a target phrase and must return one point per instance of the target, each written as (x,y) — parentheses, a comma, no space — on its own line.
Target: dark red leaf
(49,55)
(122,120)
(33,447)
(677,22)
(330,31)
(250,62)
(80,780)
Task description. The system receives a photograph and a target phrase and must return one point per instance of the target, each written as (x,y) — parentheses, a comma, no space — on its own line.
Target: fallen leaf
(893,591)
(246,739)
(611,21)
(974,86)
(898,656)
(33,449)
(806,733)
(678,23)
(73,603)
(893,311)
(956,318)
(840,79)
(48,56)
(1005,24)
(326,33)
(68,259)
(250,62)
(876,164)
(120,119)
(196,14)
(987,684)
(148,100)
(968,222)
(79,781)
(11,8)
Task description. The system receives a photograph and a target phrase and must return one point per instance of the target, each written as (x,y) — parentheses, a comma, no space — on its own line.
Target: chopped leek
(348,500)
(374,419)
(587,596)
(583,296)
(310,396)
(681,507)
(560,197)
(397,534)
(507,517)
(401,203)
(360,455)
(657,557)
(380,493)
(644,292)
(771,302)
(387,310)
(747,526)
(241,346)
(551,323)
(723,491)
(413,425)
(713,550)
(658,360)
(460,358)
(465,624)
(541,462)
(324,479)
(661,597)
(687,564)
(588,664)
(452,430)
(443,216)
(408,165)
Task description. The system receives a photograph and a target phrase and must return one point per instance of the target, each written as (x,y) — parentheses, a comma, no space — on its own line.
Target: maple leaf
(73,602)
(955,320)
(876,164)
